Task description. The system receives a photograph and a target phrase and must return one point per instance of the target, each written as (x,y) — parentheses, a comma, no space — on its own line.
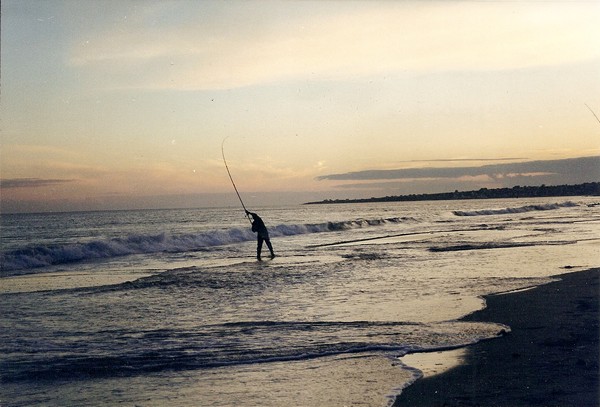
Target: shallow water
(170,308)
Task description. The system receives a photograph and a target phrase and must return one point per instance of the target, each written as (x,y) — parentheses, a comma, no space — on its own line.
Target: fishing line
(231,178)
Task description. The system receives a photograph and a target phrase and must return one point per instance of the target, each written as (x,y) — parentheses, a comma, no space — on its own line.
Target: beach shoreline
(550,357)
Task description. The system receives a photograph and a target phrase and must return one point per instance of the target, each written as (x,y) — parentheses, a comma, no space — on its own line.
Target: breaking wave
(48,255)
(520,209)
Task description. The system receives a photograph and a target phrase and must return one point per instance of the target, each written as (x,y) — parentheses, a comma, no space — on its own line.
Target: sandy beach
(550,357)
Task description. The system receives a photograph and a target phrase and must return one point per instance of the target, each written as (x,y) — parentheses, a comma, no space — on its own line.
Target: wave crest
(48,255)
(520,209)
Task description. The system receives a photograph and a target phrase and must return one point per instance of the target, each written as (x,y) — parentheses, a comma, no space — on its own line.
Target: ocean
(171,308)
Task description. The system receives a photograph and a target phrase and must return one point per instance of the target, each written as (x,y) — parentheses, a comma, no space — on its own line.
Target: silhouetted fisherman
(262,234)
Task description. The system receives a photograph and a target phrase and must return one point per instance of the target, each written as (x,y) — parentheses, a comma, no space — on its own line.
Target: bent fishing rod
(592,112)
(231,178)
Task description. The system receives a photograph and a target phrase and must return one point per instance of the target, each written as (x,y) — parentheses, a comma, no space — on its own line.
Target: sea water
(171,307)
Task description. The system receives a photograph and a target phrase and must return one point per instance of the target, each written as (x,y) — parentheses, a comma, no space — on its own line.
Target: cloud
(354,41)
(465,160)
(31,182)
(577,169)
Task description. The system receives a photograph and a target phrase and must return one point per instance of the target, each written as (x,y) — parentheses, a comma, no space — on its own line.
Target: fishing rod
(592,112)
(231,178)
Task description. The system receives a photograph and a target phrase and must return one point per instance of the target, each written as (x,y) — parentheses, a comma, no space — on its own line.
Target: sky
(127,103)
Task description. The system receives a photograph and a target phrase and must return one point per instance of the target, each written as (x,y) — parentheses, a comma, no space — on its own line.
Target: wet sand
(550,357)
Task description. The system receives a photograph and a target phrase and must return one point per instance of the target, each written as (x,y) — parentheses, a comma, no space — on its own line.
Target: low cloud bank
(30,182)
(565,171)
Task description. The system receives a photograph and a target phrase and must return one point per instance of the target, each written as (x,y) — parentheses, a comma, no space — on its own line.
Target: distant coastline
(585,189)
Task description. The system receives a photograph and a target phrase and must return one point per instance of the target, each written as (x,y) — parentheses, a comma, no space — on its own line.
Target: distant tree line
(586,189)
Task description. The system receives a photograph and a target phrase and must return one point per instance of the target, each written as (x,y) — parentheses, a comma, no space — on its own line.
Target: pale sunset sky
(124,104)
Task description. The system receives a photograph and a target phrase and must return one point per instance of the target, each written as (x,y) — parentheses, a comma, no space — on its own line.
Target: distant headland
(586,189)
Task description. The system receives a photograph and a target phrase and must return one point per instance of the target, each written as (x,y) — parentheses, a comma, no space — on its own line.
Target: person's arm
(253,220)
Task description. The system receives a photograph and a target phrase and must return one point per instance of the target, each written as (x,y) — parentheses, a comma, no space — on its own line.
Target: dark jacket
(258,226)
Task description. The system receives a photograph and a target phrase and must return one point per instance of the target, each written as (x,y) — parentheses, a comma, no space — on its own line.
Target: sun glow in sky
(118,104)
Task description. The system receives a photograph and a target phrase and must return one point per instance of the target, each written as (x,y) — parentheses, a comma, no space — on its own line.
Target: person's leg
(270,246)
(259,247)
